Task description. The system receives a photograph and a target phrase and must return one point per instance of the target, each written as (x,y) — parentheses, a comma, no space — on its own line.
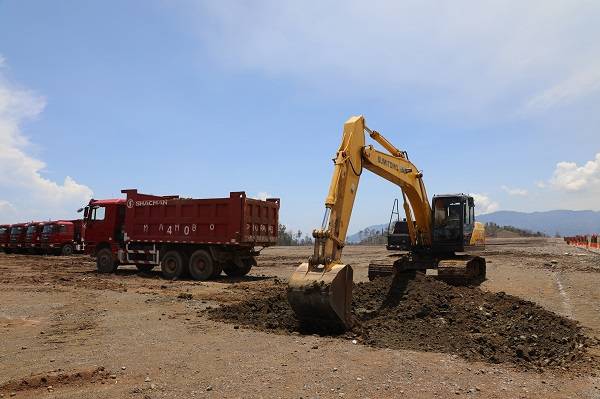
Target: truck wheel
(67,250)
(172,265)
(145,268)
(233,270)
(105,262)
(218,269)
(202,266)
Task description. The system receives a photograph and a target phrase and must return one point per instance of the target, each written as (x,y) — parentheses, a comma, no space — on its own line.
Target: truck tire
(105,262)
(67,250)
(233,270)
(218,269)
(172,265)
(145,268)
(201,266)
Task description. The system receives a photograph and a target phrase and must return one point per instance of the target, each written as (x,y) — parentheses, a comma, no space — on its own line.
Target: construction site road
(68,332)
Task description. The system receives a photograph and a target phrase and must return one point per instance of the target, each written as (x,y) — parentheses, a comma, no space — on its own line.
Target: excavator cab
(454,226)
(452,222)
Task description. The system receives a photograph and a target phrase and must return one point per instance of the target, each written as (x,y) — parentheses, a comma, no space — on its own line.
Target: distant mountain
(566,223)
(356,237)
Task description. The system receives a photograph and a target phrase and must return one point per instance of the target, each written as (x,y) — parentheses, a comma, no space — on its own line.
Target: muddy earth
(422,313)
(528,331)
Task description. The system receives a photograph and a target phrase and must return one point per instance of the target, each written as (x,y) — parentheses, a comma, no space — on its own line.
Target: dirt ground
(66,331)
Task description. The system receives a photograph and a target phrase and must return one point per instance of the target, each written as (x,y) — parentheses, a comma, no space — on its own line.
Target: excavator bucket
(322,297)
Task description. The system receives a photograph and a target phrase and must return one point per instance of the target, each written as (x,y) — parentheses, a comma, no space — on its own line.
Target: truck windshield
(16,230)
(96,213)
(49,228)
(30,230)
(3,230)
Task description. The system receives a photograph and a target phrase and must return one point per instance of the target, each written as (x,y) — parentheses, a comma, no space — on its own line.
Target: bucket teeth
(322,297)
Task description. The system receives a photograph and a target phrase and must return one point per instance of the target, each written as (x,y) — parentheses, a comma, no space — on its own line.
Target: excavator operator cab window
(448,218)
(447,211)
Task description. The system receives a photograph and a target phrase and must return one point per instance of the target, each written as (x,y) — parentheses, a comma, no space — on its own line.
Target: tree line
(379,237)
(292,238)
(492,229)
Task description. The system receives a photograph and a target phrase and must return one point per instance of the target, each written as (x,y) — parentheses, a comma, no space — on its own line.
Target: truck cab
(454,226)
(61,237)
(103,224)
(17,237)
(5,237)
(33,236)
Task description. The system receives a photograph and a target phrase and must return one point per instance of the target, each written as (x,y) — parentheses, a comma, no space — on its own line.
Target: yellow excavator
(320,291)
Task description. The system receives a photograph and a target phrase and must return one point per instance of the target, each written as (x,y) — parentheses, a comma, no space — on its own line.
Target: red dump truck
(201,237)
(62,237)
(5,237)
(17,237)
(32,237)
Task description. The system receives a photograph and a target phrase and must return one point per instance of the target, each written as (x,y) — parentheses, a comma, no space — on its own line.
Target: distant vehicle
(201,237)
(62,237)
(32,237)
(17,237)
(5,237)
(398,237)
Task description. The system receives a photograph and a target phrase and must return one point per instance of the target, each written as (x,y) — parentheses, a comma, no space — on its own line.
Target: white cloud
(6,208)
(515,191)
(484,204)
(568,176)
(458,56)
(263,195)
(578,84)
(25,193)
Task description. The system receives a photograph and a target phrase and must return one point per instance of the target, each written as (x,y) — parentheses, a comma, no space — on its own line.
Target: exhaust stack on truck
(202,237)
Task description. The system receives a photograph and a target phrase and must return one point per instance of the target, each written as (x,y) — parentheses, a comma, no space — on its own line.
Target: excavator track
(462,270)
(457,270)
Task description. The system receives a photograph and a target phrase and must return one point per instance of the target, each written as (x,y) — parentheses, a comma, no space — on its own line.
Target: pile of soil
(426,314)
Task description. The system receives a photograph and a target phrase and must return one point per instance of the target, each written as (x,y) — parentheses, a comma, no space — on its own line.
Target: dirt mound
(426,314)
(55,378)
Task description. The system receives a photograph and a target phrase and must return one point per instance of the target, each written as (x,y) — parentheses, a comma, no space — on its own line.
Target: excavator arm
(321,289)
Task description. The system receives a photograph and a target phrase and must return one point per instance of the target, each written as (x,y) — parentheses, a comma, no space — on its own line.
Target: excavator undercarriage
(458,269)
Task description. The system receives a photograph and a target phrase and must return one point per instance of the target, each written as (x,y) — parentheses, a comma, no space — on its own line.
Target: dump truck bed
(236,220)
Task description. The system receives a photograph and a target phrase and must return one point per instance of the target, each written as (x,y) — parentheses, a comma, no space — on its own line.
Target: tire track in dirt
(566,301)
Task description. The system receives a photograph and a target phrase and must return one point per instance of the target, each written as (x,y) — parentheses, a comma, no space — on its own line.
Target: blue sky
(498,99)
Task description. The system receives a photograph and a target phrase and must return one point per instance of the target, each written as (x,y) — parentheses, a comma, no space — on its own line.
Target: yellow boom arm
(394,166)
(321,289)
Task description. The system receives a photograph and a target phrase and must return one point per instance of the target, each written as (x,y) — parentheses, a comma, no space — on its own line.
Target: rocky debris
(427,314)
(185,295)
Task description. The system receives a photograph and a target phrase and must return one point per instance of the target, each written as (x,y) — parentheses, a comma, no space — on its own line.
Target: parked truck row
(183,236)
(58,237)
